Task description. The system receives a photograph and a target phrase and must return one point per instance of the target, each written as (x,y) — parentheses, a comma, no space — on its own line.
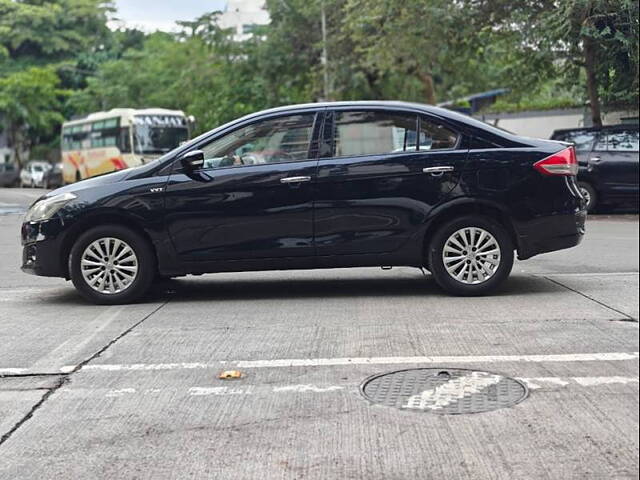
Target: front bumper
(551,233)
(42,252)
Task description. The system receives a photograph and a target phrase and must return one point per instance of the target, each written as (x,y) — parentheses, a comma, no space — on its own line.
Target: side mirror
(193,160)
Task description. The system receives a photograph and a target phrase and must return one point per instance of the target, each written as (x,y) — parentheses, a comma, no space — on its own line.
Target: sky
(151,15)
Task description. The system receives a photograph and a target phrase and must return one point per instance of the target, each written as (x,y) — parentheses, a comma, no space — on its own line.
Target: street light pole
(325,57)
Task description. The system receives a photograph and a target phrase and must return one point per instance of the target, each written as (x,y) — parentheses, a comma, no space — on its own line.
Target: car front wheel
(111,265)
(470,255)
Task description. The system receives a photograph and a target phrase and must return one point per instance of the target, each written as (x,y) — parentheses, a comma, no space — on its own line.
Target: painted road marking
(596,274)
(323,362)
(455,389)
(429,399)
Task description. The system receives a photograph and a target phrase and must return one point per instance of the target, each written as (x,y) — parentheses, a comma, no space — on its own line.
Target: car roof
(442,113)
(385,104)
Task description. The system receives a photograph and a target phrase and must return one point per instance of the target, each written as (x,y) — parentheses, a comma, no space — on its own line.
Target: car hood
(92,182)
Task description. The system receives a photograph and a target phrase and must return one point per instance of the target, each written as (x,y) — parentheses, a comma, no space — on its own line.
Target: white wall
(541,124)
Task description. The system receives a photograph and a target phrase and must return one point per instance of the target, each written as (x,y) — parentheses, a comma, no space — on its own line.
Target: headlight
(45,208)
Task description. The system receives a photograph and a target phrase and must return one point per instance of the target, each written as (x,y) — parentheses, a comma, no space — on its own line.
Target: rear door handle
(295,179)
(594,159)
(438,170)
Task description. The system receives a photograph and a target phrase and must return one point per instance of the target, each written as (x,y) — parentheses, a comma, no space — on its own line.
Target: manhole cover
(444,391)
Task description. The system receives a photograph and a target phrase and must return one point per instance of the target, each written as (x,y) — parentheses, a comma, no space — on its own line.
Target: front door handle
(438,170)
(295,179)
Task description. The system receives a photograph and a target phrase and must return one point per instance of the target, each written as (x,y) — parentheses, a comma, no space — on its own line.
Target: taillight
(563,162)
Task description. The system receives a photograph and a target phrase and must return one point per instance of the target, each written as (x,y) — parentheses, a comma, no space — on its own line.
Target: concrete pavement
(132,391)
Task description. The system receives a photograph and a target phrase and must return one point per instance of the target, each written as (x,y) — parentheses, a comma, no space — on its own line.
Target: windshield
(158,139)
(159,133)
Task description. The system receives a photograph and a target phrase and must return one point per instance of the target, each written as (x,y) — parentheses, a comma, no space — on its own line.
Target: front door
(381,179)
(615,161)
(252,198)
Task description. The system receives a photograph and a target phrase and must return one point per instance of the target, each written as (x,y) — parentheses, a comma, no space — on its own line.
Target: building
(243,16)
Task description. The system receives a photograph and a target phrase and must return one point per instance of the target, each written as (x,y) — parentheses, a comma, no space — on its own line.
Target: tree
(602,37)
(40,31)
(30,105)
(598,36)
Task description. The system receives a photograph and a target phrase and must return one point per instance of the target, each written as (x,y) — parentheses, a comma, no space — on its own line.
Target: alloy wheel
(109,265)
(471,255)
(586,195)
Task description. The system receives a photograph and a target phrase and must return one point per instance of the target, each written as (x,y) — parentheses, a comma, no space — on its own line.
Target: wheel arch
(462,207)
(95,219)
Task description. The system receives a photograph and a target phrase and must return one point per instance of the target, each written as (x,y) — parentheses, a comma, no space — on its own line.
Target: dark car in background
(53,177)
(321,185)
(9,175)
(608,158)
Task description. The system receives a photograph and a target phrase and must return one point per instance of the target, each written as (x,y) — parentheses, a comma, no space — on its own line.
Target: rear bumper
(551,233)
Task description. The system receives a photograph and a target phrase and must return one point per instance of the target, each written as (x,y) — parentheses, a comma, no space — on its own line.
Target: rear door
(615,161)
(379,179)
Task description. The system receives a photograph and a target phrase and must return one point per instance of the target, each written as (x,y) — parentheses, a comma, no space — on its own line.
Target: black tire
(145,258)
(590,194)
(448,282)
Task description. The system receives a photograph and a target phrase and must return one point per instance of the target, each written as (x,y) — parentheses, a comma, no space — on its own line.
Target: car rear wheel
(112,264)
(470,255)
(589,194)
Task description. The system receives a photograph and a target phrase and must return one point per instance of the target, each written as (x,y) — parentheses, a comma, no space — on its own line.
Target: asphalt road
(133,391)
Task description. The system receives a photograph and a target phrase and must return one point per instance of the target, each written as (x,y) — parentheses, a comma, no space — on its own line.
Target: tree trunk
(589,47)
(429,91)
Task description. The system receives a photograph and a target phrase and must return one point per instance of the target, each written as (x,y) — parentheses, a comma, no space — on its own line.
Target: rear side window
(624,141)
(436,137)
(582,139)
(373,133)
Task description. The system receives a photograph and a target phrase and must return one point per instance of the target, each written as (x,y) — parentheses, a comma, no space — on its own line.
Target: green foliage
(51,30)
(548,53)
(30,106)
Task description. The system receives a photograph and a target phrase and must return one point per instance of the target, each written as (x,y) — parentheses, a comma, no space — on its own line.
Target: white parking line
(13,371)
(533,383)
(596,274)
(322,362)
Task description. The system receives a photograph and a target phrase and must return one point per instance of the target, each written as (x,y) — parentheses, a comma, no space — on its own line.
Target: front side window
(626,141)
(278,140)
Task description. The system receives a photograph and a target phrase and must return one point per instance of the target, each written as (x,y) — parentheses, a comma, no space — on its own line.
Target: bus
(120,138)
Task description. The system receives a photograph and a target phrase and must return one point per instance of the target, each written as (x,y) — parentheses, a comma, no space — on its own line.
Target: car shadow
(210,288)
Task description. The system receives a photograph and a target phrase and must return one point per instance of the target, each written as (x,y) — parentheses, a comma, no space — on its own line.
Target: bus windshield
(159,133)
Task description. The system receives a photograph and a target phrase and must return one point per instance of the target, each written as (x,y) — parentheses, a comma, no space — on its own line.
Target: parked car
(53,177)
(33,173)
(9,175)
(340,187)
(608,160)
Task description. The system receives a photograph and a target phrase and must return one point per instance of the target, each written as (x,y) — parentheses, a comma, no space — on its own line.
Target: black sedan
(321,185)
